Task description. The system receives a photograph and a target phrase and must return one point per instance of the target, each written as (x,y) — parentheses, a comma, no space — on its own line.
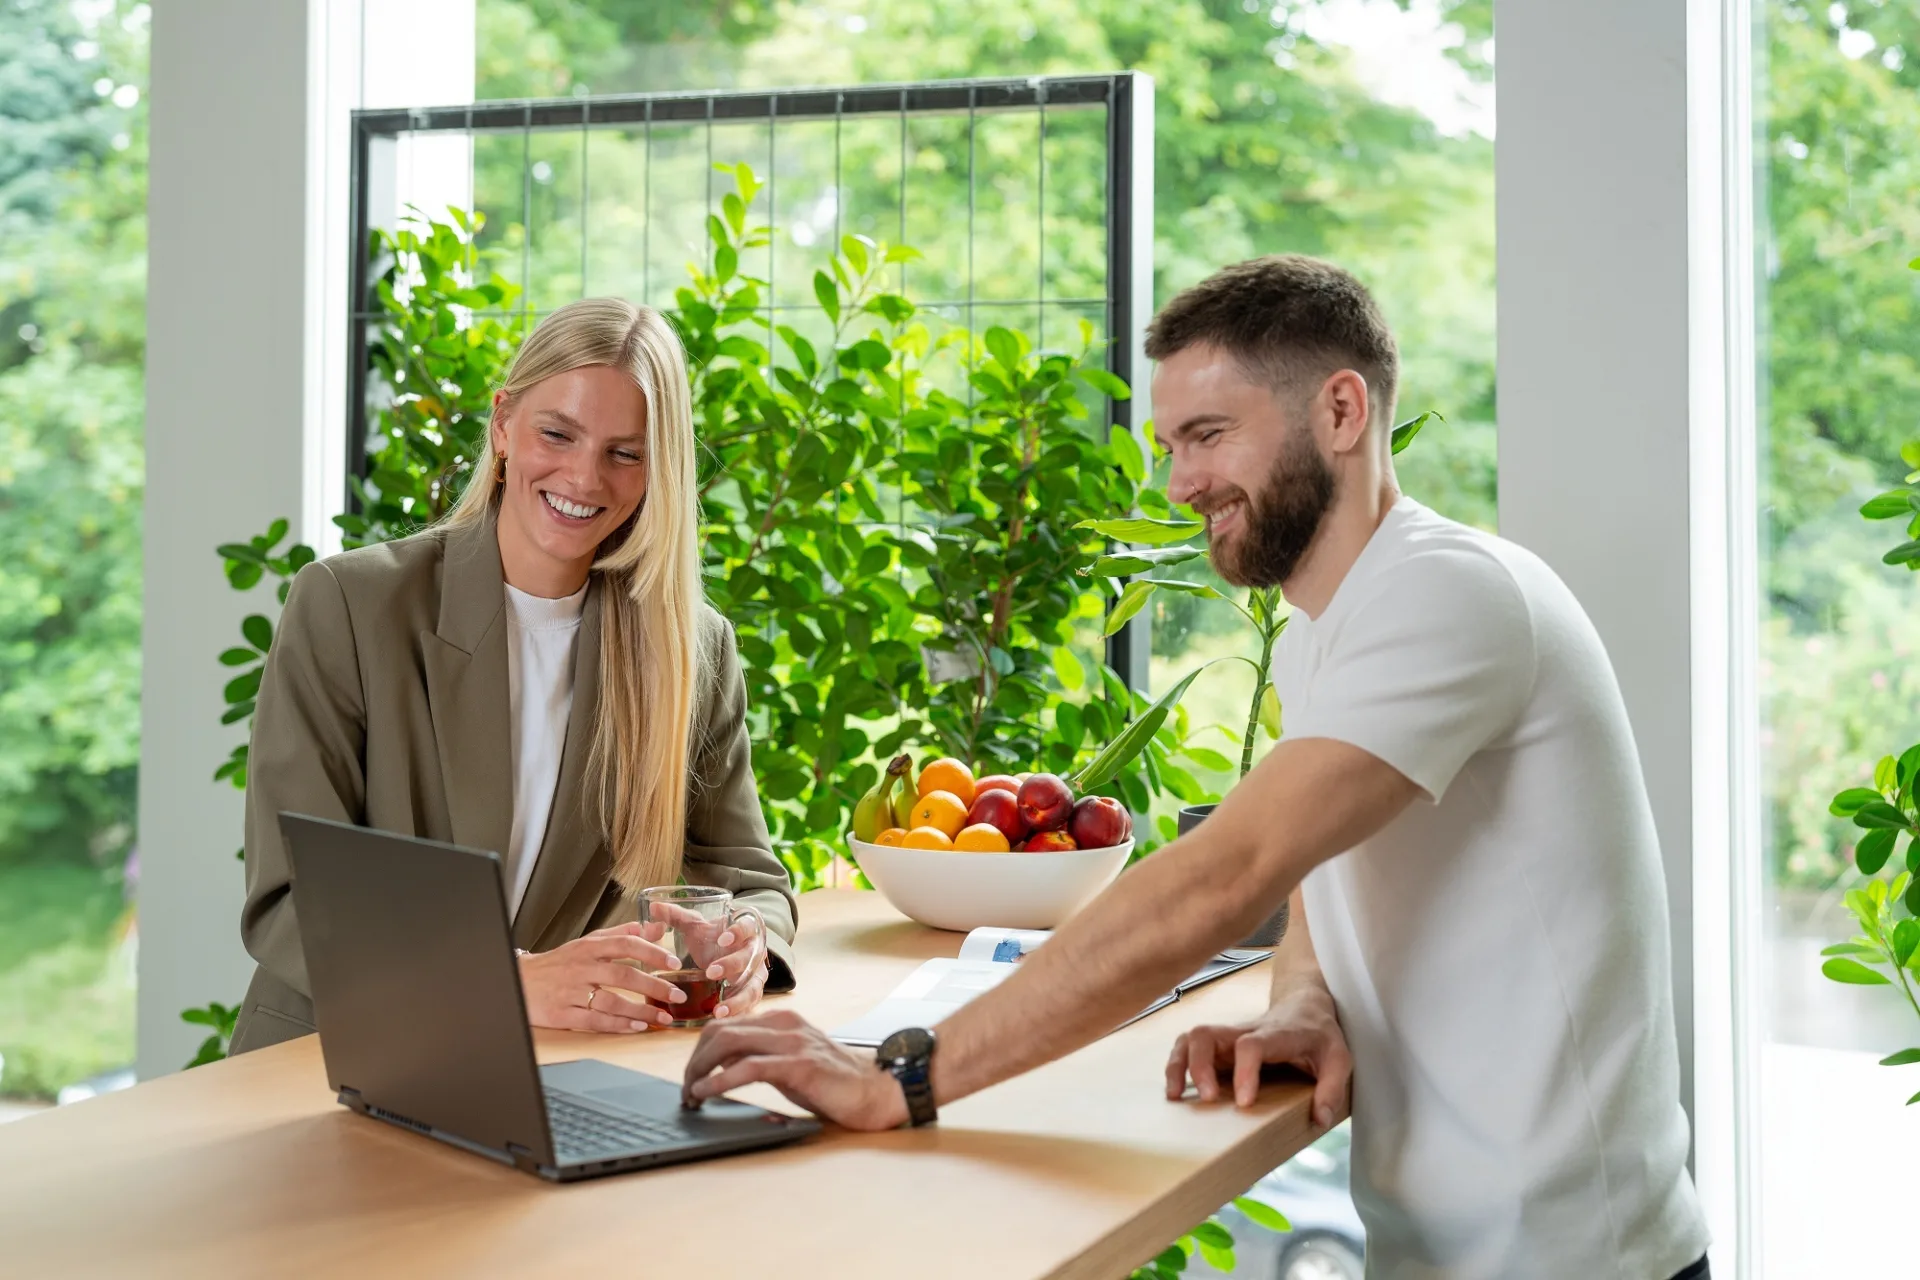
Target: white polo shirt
(1499,953)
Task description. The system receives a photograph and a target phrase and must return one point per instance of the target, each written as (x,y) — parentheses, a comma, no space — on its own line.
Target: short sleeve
(1433,664)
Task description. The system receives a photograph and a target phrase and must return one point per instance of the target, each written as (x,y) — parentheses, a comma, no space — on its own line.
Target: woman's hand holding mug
(591,983)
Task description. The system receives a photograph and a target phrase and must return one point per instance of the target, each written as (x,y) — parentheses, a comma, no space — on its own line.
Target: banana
(874,811)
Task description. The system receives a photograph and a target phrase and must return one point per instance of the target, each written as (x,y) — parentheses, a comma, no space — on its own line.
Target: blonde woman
(536,675)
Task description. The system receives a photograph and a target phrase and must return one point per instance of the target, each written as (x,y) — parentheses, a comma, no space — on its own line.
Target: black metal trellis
(1127,98)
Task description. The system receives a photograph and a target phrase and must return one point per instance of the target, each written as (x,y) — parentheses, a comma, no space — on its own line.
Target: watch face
(907,1045)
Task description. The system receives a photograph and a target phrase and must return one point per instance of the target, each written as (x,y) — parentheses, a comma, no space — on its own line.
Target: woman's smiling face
(576,449)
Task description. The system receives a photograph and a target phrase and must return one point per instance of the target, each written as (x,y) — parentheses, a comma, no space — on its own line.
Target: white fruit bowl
(964,891)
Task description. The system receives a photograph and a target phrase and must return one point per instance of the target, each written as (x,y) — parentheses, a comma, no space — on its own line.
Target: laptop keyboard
(582,1133)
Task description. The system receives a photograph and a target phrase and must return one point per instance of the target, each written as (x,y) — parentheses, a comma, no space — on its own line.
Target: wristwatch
(908,1055)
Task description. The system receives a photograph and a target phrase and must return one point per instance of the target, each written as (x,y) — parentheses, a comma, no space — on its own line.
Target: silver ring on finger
(590,995)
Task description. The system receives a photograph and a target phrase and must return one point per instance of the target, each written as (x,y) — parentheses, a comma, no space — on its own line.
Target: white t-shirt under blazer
(541,637)
(1499,953)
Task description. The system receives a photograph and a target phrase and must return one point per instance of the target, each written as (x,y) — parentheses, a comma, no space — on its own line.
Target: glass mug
(695,916)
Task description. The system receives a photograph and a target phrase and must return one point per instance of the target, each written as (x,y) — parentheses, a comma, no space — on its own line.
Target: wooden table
(249,1168)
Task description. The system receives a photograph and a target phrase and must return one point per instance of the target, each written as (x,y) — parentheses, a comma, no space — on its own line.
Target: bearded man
(1478,958)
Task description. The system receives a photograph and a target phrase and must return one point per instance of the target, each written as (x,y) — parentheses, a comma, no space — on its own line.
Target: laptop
(416,994)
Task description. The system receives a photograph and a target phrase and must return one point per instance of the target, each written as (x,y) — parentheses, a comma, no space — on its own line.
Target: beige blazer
(384,703)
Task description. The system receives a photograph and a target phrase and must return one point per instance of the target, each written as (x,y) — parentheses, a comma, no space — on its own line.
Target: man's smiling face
(1245,463)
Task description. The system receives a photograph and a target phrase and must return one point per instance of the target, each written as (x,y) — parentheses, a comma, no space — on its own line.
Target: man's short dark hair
(1290,321)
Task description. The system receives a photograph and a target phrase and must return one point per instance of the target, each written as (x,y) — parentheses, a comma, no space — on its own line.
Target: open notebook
(938,987)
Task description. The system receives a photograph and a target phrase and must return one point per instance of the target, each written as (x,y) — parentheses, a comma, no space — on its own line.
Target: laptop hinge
(523,1159)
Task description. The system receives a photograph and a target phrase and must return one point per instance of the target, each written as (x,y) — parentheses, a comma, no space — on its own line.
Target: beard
(1281,519)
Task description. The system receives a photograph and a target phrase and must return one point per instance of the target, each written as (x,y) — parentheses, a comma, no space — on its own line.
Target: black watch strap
(908,1057)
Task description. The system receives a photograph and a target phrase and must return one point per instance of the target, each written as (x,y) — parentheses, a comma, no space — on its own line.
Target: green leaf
(1906,767)
(1132,740)
(1906,936)
(1886,774)
(829,295)
(1200,589)
(1270,712)
(1004,347)
(736,211)
(1850,949)
(1134,596)
(1886,506)
(1905,553)
(1122,564)
(1901,1059)
(238,657)
(1107,384)
(1141,529)
(726,260)
(1262,1214)
(1841,969)
(243,687)
(1208,758)
(1404,433)
(1073,676)
(1912,896)
(258,631)
(276,531)
(1848,802)
(1220,1259)
(1214,1234)
(855,253)
(1874,849)
(866,354)
(1126,451)
(241,551)
(1880,814)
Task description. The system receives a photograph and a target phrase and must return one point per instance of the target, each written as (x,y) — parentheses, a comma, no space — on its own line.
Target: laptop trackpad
(641,1094)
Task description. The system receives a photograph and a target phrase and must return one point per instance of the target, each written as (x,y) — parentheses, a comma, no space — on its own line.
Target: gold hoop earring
(500,471)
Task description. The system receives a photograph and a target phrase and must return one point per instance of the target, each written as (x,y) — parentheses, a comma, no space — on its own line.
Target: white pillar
(247,315)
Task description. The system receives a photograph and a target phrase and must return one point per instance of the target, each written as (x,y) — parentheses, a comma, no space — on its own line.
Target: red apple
(998,808)
(1049,842)
(997,782)
(1100,822)
(1046,802)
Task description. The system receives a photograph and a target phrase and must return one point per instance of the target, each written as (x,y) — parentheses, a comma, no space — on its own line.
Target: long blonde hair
(651,661)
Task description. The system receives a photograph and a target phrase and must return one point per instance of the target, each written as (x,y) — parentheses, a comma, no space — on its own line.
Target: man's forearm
(1153,928)
(1294,960)
(1303,804)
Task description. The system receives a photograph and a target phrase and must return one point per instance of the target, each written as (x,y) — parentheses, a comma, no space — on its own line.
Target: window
(72,304)
(1839,376)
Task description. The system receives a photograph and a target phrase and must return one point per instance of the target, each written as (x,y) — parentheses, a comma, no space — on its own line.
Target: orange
(948,774)
(926,838)
(982,837)
(891,836)
(942,810)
